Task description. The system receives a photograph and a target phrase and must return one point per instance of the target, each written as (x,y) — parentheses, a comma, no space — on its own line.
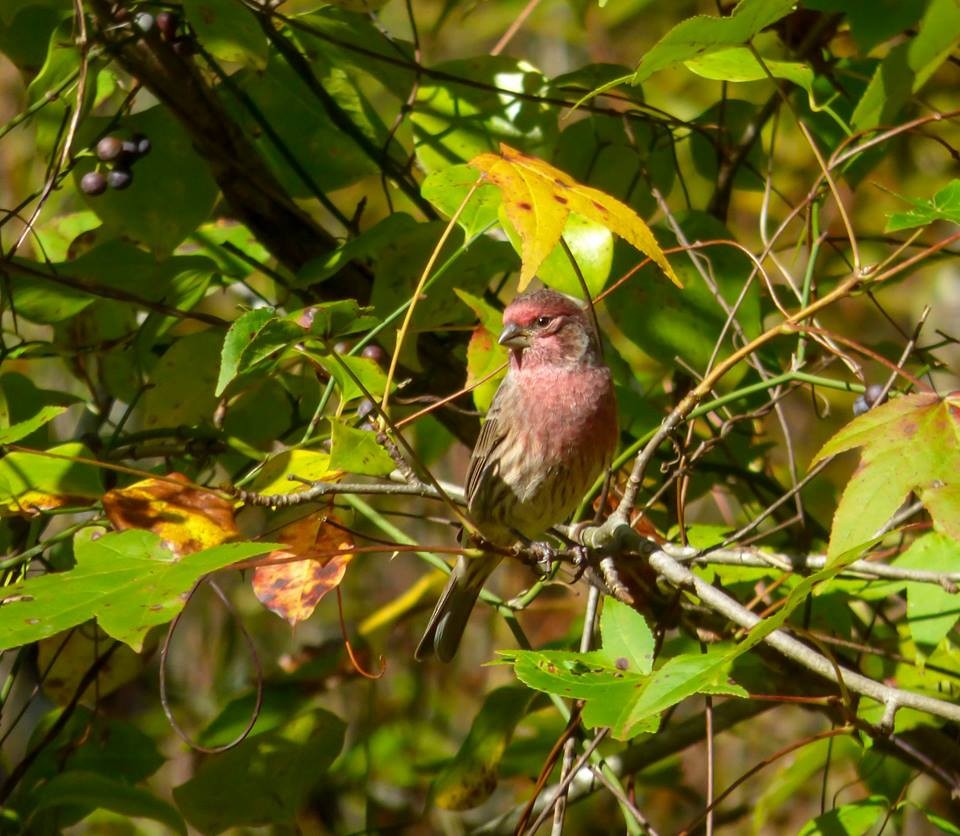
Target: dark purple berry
(874,393)
(341,347)
(144,21)
(93,183)
(375,353)
(365,408)
(167,24)
(109,148)
(143,145)
(129,152)
(119,178)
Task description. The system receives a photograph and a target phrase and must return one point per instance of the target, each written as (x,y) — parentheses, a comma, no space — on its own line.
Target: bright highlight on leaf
(538,199)
(293,590)
(909,445)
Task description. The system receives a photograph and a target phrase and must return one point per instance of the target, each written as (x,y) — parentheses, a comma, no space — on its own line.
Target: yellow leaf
(538,199)
(187,519)
(292,590)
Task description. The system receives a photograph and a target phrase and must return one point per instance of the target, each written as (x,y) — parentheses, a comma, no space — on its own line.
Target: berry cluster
(118,155)
(167,24)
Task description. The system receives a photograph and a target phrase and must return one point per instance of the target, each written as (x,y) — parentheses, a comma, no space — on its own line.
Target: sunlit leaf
(42,480)
(358,451)
(311,465)
(538,199)
(702,35)
(484,353)
(909,65)
(909,444)
(23,428)
(128,581)
(617,682)
(228,30)
(943,206)
(185,518)
(293,590)
(852,819)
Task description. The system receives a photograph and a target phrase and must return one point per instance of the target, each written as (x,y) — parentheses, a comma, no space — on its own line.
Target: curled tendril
(346,642)
(164,700)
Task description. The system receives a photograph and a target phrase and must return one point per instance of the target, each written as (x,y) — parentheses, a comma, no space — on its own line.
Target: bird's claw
(580,561)
(543,555)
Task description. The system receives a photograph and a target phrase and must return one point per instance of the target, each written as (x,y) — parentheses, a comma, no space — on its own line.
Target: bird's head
(548,328)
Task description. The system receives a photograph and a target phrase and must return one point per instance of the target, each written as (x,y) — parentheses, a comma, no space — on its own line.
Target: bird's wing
(492,434)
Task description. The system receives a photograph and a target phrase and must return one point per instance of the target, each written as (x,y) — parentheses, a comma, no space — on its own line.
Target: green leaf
(264,780)
(362,248)
(484,353)
(943,206)
(22,429)
(931,610)
(313,465)
(616,681)
(228,31)
(367,371)
(852,819)
(118,750)
(454,122)
(400,264)
(339,318)
(909,65)
(37,481)
(90,790)
(600,152)
(702,35)
(351,40)
(626,637)
(239,337)
(591,245)
(872,21)
(446,190)
(358,451)
(909,444)
(471,777)
(128,581)
(172,191)
(323,156)
(184,381)
(666,322)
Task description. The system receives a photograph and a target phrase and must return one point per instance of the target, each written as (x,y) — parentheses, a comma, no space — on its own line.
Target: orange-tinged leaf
(187,519)
(909,445)
(538,199)
(292,590)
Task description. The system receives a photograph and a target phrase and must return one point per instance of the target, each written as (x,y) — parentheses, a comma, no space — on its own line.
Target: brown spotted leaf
(908,445)
(293,589)
(187,519)
(538,199)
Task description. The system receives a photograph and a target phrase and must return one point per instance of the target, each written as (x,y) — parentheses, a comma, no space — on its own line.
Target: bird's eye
(542,321)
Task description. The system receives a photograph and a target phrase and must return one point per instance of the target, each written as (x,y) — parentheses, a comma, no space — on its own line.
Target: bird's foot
(543,555)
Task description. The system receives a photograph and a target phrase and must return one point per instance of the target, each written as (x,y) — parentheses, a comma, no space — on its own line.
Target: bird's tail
(449,619)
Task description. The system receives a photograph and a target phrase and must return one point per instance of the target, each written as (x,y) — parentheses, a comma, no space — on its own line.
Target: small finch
(550,432)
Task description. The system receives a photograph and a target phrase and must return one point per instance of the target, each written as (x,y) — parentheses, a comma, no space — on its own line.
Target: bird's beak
(513,336)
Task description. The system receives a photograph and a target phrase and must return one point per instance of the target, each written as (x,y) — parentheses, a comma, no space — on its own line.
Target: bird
(551,430)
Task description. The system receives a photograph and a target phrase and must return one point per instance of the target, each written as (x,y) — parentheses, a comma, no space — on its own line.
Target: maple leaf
(292,590)
(186,518)
(538,199)
(909,445)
